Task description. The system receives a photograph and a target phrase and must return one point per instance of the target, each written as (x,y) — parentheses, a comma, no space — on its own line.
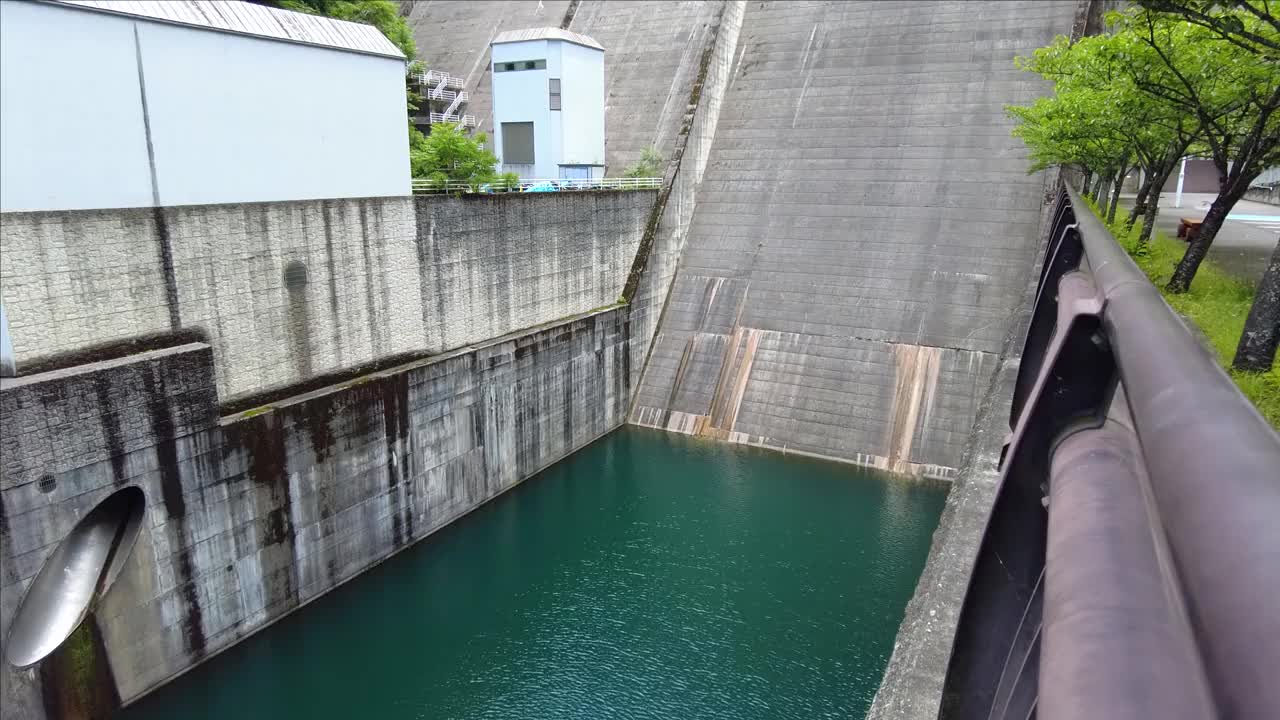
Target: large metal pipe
(79,571)
(1116,642)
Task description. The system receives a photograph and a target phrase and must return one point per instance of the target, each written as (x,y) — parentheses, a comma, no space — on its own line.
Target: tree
(1069,130)
(649,165)
(1223,70)
(1096,82)
(382,14)
(1226,20)
(1257,348)
(449,155)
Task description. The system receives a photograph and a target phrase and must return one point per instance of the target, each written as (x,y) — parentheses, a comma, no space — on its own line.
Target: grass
(1217,304)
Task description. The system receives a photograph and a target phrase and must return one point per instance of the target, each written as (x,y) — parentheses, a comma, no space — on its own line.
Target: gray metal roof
(546,33)
(249,19)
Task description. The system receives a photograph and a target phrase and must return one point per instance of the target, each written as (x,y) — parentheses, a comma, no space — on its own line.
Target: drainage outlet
(79,571)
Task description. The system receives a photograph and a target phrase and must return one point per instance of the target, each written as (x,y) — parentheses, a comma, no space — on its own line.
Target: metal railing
(1130,566)
(444,79)
(423,186)
(464,120)
(449,95)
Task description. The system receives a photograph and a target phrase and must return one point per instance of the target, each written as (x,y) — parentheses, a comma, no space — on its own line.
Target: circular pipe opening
(78,572)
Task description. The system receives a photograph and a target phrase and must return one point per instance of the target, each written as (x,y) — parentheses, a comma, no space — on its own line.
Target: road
(1246,240)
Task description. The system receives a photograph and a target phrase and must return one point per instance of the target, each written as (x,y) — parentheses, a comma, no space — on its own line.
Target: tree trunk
(1140,202)
(1115,197)
(1198,248)
(1158,180)
(1097,188)
(1149,217)
(1257,349)
(1084,182)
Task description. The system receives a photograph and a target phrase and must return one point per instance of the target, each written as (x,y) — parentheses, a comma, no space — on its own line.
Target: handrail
(1215,469)
(1134,461)
(426,186)
(467,120)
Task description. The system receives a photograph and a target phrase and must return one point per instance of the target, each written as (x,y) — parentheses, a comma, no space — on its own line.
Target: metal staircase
(445,98)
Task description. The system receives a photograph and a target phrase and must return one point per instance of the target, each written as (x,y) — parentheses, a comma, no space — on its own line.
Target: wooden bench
(1189,228)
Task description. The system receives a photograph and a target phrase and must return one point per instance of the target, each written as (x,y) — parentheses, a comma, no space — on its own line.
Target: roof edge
(546,33)
(342,35)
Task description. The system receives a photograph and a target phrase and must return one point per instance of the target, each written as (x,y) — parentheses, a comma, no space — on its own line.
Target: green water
(647,576)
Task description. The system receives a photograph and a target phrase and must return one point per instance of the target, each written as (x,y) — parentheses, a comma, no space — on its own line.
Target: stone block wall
(287,292)
(251,518)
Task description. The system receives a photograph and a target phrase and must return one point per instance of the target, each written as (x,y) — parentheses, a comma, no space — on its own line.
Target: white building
(144,104)
(548,103)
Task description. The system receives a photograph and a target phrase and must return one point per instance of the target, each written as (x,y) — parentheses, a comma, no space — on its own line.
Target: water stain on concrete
(295,283)
(914,390)
(175,504)
(735,371)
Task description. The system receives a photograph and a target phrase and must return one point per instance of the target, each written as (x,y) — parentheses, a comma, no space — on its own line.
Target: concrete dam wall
(862,236)
(288,292)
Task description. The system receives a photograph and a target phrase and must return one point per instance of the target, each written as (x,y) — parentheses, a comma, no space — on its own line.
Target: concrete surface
(862,235)
(673,210)
(251,518)
(652,52)
(1268,195)
(1243,245)
(286,292)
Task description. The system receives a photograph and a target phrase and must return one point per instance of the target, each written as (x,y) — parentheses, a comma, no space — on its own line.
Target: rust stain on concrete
(732,384)
(914,391)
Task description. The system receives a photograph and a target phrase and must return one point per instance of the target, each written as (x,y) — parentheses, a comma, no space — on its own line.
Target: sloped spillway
(647,576)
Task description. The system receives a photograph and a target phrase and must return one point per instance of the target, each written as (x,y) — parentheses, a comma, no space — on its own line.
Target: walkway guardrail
(443,79)
(421,186)
(464,120)
(1130,566)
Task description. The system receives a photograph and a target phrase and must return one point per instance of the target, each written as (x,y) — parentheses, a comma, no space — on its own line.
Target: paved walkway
(1246,240)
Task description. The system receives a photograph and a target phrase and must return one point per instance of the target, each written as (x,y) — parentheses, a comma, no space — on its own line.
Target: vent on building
(520,65)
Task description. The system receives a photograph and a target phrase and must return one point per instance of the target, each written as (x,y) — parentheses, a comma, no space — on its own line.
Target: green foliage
(1242,22)
(382,14)
(508,181)
(1217,304)
(649,165)
(447,154)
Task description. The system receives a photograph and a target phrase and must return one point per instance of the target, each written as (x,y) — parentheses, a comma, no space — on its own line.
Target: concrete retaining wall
(286,292)
(251,518)
(1269,195)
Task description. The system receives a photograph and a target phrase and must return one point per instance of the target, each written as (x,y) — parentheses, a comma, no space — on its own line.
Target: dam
(723,448)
